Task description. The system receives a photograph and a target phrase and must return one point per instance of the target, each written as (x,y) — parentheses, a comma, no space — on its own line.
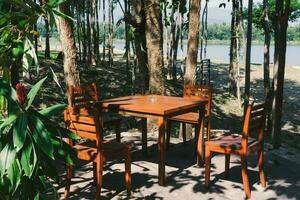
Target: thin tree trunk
(88,31)
(193,42)
(266,48)
(79,29)
(104,31)
(175,44)
(234,48)
(47,39)
(93,31)
(110,33)
(127,42)
(248,57)
(283,11)
(84,35)
(68,44)
(154,46)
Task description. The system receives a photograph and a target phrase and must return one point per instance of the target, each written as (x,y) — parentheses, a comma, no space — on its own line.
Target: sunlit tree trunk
(193,42)
(127,42)
(283,11)
(266,47)
(154,46)
(68,44)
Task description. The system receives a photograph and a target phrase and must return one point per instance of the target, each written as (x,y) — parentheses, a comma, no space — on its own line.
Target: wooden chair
(193,92)
(87,94)
(87,123)
(243,145)
(203,72)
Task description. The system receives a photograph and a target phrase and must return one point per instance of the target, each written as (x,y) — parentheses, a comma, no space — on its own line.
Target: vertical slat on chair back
(199,92)
(83,95)
(84,122)
(203,72)
(254,122)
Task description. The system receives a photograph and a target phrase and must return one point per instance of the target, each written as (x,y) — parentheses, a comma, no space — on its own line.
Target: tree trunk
(79,29)
(140,44)
(266,48)
(88,31)
(248,57)
(193,42)
(68,44)
(233,71)
(127,42)
(283,11)
(104,31)
(93,31)
(110,33)
(154,46)
(47,39)
(84,35)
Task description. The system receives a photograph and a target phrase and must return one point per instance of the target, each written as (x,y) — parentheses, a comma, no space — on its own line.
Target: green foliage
(30,145)
(16,30)
(258,19)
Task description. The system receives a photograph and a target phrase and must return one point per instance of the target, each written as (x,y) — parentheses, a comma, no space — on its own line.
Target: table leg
(200,142)
(161,150)
(144,136)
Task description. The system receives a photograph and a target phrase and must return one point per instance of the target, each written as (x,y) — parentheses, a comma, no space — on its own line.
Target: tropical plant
(31,144)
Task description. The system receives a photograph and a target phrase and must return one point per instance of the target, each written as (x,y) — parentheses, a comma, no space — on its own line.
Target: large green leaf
(41,136)
(53,110)
(14,174)
(7,91)
(20,130)
(7,156)
(63,15)
(55,3)
(26,159)
(8,121)
(33,92)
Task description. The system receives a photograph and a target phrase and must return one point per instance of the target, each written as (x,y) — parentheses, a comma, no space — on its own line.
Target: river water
(221,53)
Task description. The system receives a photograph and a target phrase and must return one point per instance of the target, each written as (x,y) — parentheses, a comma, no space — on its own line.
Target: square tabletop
(152,104)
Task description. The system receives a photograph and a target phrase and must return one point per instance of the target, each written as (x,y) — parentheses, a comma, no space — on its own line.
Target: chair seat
(110,149)
(191,117)
(231,144)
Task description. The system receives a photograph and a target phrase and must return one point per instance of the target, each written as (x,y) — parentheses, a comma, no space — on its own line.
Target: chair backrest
(84,122)
(203,72)
(254,122)
(199,92)
(83,95)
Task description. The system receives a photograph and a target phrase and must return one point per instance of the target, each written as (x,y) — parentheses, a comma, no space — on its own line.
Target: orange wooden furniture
(243,145)
(87,94)
(160,108)
(193,92)
(87,123)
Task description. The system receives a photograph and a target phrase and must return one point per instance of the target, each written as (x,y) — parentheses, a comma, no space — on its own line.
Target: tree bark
(154,46)
(93,32)
(193,42)
(267,40)
(88,31)
(68,44)
(233,71)
(248,57)
(283,11)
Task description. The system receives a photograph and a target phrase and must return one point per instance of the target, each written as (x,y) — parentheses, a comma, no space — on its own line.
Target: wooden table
(160,108)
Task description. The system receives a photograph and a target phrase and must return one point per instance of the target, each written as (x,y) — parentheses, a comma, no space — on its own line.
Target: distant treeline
(215,32)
